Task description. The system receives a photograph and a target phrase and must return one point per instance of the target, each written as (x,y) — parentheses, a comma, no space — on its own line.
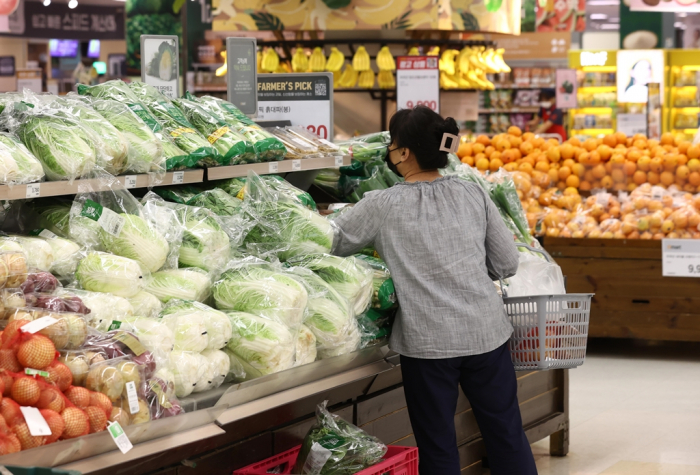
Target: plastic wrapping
(66,302)
(102,272)
(159,392)
(350,276)
(38,252)
(79,361)
(56,217)
(205,244)
(13,268)
(17,163)
(199,151)
(304,134)
(384,295)
(217,369)
(231,145)
(70,330)
(283,227)
(329,316)
(362,151)
(118,91)
(296,146)
(536,276)
(40,281)
(188,284)
(188,368)
(66,253)
(278,185)
(155,334)
(306,351)
(333,446)
(254,286)
(327,180)
(267,147)
(259,346)
(146,304)
(375,326)
(185,318)
(104,308)
(217,201)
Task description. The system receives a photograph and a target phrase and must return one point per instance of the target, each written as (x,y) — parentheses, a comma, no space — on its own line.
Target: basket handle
(531,249)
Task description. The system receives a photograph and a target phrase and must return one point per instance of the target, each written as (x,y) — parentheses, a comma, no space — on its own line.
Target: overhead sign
(305,99)
(242,70)
(540,45)
(680,258)
(160,63)
(665,6)
(417,82)
(632,124)
(566,89)
(636,69)
(85,22)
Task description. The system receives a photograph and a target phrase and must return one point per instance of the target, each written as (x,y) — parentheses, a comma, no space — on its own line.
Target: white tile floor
(635,410)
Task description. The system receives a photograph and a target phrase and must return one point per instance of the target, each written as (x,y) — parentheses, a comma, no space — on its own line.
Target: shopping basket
(549,331)
(397,461)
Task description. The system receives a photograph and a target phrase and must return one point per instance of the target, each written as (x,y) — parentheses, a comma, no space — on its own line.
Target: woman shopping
(444,242)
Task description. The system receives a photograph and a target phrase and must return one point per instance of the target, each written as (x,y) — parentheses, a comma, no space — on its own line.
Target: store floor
(635,410)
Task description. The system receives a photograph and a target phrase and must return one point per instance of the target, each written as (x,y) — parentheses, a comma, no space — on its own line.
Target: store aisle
(635,410)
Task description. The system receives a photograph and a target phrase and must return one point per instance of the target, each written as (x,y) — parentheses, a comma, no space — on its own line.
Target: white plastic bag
(536,276)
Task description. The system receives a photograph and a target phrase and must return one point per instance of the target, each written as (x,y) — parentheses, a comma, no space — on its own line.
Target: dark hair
(420,130)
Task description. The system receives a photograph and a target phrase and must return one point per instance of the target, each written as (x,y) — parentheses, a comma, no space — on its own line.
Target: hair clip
(454,144)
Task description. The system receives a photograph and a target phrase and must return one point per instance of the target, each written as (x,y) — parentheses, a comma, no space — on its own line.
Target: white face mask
(546,104)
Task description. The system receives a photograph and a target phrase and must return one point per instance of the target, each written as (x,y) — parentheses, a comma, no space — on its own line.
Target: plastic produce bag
(102,272)
(536,276)
(306,351)
(187,367)
(219,366)
(205,244)
(216,323)
(146,304)
(278,185)
(384,295)
(230,144)
(69,331)
(351,277)
(66,302)
(17,163)
(254,286)
(335,447)
(155,334)
(39,253)
(104,308)
(56,217)
(66,253)
(362,151)
(189,283)
(217,201)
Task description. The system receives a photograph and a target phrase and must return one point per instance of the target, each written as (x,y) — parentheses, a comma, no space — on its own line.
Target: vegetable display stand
(39,471)
(633,299)
(397,461)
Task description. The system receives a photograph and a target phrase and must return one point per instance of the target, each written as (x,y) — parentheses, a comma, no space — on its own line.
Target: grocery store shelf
(687,131)
(689,86)
(515,86)
(210,89)
(59,188)
(513,110)
(284,166)
(592,131)
(597,88)
(687,108)
(593,109)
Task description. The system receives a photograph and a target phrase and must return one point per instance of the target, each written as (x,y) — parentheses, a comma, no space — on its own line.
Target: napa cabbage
(155,334)
(146,304)
(104,308)
(305,352)
(189,328)
(217,323)
(187,368)
(66,255)
(187,284)
(218,368)
(138,241)
(204,242)
(39,252)
(101,272)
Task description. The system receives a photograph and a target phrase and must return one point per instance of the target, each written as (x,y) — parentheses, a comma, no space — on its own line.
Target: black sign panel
(7,65)
(85,22)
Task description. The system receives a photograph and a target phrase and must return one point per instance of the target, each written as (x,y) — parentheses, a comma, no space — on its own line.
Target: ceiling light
(610,26)
(72,4)
(599,16)
(682,14)
(47,3)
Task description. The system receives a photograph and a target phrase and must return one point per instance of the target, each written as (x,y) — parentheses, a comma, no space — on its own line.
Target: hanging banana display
(270,60)
(349,77)
(361,60)
(317,61)
(386,80)
(300,62)
(335,60)
(366,80)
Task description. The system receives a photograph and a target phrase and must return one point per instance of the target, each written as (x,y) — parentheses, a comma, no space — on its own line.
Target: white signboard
(29,79)
(305,99)
(636,69)
(632,124)
(160,63)
(680,258)
(417,82)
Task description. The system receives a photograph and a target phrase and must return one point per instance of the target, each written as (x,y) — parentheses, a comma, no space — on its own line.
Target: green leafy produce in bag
(17,164)
(232,145)
(384,295)
(118,91)
(335,447)
(217,201)
(177,194)
(200,151)
(363,151)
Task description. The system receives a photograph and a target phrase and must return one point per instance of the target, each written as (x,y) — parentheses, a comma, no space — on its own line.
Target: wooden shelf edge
(284,166)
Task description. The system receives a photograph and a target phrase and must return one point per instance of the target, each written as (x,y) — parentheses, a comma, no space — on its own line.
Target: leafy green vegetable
(17,164)
(305,351)
(118,91)
(217,323)
(186,284)
(146,304)
(101,272)
(217,201)
(384,295)
(66,255)
(204,243)
(138,241)
(164,64)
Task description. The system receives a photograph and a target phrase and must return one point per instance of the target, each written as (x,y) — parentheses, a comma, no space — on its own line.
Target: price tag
(417,82)
(32,372)
(38,324)
(657,193)
(680,258)
(33,190)
(45,233)
(35,421)
(296,165)
(130,181)
(119,437)
(317,458)
(132,397)
(272,167)
(178,178)
(338,161)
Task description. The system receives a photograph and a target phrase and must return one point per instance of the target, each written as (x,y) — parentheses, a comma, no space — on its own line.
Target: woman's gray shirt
(444,242)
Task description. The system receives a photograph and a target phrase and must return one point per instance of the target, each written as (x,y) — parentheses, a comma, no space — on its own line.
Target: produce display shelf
(598,88)
(514,110)
(686,131)
(284,166)
(592,131)
(210,89)
(584,109)
(516,86)
(688,108)
(59,188)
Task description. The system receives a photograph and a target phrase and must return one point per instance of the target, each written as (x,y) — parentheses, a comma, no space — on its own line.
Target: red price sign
(320,130)
(417,82)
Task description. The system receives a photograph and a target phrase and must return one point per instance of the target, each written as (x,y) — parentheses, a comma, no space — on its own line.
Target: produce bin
(397,461)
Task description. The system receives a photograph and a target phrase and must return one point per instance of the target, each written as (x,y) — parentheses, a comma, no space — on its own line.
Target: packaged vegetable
(17,163)
(218,327)
(101,272)
(189,283)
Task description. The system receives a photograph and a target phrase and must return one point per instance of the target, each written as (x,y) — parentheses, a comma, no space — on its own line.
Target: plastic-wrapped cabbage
(204,243)
(17,164)
(64,148)
(57,218)
(236,187)
(146,304)
(218,368)
(187,367)
(137,240)
(351,449)
(155,334)
(101,272)
(262,346)
(217,323)
(305,347)
(351,277)
(217,201)
(328,316)
(145,151)
(384,294)
(189,325)
(186,284)
(39,252)
(253,286)
(104,308)
(66,255)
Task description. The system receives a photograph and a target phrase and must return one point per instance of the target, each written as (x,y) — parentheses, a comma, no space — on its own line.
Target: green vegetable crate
(39,471)
(397,461)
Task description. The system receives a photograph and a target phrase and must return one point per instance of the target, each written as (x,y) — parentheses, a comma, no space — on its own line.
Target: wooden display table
(632,299)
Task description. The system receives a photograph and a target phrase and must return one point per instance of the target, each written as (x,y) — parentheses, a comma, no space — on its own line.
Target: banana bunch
(413,51)
(349,77)
(434,51)
(497,58)
(300,62)
(366,80)
(361,60)
(448,81)
(259,61)
(386,80)
(317,62)
(335,60)
(270,60)
(385,61)
(446,62)
(336,79)
(283,67)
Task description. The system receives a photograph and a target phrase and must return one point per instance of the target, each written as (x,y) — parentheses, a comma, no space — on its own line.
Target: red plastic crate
(397,461)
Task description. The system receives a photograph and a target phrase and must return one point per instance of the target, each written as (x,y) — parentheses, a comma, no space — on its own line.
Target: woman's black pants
(488,381)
